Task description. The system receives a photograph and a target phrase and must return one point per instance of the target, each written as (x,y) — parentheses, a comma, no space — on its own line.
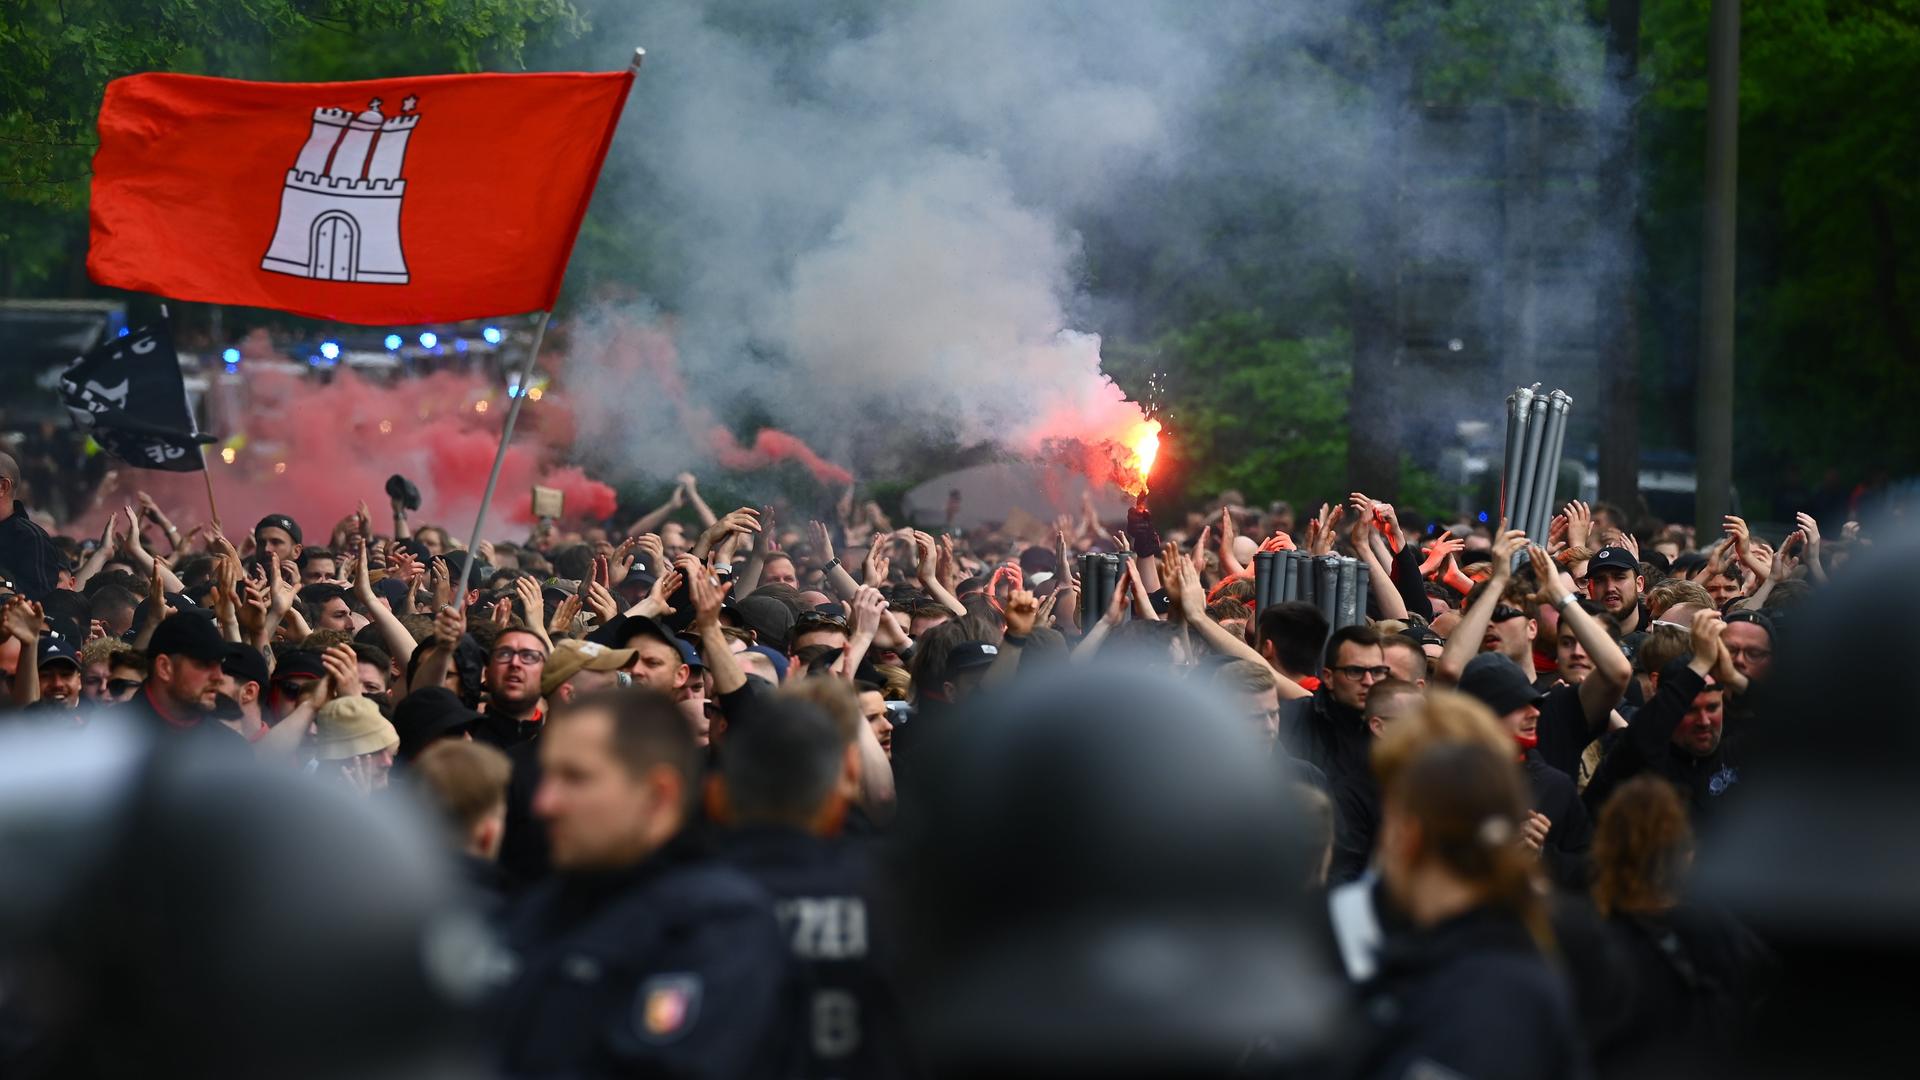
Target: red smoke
(645,357)
(771,447)
(314,450)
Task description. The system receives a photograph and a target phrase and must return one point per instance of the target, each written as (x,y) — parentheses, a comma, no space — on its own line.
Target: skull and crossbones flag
(128,395)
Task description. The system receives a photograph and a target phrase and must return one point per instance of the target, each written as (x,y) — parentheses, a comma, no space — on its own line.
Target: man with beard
(1678,734)
(1613,579)
(512,678)
(242,689)
(59,670)
(186,653)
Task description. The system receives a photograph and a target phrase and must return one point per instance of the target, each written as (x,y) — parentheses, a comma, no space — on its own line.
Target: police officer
(788,775)
(642,955)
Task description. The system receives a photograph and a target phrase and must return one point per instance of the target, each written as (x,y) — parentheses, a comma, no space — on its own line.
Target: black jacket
(1325,733)
(28,554)
(1647,746)
(1698,978)
(1356,818)
(1571,834)
(675,967)
(825,895)
(1471,997)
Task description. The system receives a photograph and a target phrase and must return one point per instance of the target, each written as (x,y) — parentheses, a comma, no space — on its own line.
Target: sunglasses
(1503,613)
(819,622)
(122,686)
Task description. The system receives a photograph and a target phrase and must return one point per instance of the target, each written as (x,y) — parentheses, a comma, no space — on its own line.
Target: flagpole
(517,393)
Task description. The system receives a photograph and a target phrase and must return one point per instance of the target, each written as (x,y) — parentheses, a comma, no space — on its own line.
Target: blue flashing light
(313,361)
(232,369)
(393,342)
(231,356)
(429,339)
(492,335)
(513,390)
(330,350)
(122,333)
(459,344)
(1483,517)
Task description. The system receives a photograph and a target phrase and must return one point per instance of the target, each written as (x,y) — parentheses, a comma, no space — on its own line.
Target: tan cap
(572,656)
(351,726)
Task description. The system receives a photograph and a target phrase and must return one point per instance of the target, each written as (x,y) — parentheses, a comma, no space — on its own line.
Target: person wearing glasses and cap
(1571,716)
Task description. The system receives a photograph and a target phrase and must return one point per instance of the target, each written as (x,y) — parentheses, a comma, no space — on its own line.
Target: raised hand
(1021,611)
(820,538)
(949,572)
(564,614)
(449,626)
(869,605)
(1280,541)
(1505,547)
(706,597)
(1552,588)
(1706,631)
(23,621)
(1579,524)
(1444,545)
(1534,830)
(1810,528)
(343,671)
(878,564)
(531,601)
(658,599)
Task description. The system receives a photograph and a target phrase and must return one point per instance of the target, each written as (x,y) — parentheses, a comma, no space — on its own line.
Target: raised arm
(715,651)
(1601,690)
(1190,607)
(690,489)
(400,643)
(1464,643)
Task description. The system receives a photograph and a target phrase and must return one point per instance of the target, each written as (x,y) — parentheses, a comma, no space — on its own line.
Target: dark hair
(782,761)
(649,730)
(1364,636)
(1297,632)
(113,598)
(1640,848)
(194,569)
(1143,641)
(310,554)
(929,663)
(113,579)
(573,562)
(376,657)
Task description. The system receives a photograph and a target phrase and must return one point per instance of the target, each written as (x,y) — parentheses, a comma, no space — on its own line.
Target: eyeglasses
(528,657)
(1750,653)
(1357,672)
(1503,613)
(122,686)
(819,621)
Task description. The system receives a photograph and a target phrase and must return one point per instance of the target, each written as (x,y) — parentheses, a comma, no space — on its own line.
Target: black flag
(129,396)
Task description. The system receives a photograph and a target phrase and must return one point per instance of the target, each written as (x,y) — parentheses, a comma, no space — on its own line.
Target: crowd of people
(751,795)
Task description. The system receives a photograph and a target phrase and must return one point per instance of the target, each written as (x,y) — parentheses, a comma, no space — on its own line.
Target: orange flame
(1145,446)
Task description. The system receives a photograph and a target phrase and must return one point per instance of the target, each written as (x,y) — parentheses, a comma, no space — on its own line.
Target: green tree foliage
(1829,274)
(1258,413)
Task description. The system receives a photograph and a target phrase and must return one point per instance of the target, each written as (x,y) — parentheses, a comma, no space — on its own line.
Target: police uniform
(675,967)
(846,1005)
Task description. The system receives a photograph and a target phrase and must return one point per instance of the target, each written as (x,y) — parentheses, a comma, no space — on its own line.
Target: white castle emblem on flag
(340,209)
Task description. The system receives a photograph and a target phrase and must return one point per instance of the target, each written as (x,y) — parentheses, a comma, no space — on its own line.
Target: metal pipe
(1326,585)
(1558,403)
(1530,460)
(1283,570)
(1517,406)
(1363,582)
(1263,582)
(1348,601)
(1303,578)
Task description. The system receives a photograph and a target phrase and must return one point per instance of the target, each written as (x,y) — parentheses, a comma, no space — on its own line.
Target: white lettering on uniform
(825,928)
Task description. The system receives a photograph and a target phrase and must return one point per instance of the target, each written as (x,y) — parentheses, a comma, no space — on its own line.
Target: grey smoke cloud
(868,208)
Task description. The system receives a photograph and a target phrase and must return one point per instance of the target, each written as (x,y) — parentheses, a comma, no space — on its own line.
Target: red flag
(426,199)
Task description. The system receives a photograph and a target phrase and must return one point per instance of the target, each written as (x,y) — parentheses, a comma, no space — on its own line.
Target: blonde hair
(466,780)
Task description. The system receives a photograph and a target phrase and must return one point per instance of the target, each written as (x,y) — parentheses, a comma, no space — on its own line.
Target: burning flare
(1144,443)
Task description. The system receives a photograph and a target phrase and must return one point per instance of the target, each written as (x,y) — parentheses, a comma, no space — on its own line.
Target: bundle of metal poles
(1101,575)
(1335,584)
(1536,437)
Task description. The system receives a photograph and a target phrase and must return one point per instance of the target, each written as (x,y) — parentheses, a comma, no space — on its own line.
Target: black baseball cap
(188,634)
(281,522)
(55,649)
(300,664)
(969,655)
(245,663)
(429,714)
(1498,683)
(1615,558)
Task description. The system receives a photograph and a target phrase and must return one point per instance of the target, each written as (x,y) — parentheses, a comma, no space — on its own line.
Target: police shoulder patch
(666,1007)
